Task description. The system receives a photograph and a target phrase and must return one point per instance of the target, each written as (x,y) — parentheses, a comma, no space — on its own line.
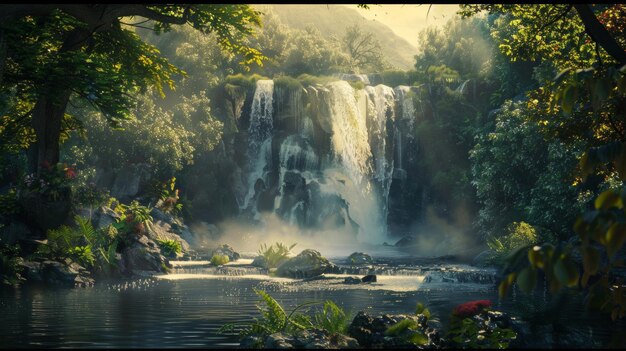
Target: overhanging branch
(599,34)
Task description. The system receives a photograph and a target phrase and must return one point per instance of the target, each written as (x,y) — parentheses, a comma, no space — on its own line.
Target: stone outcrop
(307,263)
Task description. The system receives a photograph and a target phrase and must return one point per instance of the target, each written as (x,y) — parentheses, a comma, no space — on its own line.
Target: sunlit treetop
(552,32)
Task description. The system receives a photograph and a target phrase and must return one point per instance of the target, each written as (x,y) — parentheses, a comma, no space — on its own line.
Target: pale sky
(409,19)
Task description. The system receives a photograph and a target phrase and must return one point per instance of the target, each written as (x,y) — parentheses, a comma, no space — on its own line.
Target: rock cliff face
(327,157)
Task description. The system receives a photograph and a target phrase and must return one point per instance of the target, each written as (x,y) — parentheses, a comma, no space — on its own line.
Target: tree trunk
(46,121)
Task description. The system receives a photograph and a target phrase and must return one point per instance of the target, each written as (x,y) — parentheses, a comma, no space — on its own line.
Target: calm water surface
(187,312)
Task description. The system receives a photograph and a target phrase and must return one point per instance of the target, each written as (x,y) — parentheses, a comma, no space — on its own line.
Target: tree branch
(599,34)
(557,18)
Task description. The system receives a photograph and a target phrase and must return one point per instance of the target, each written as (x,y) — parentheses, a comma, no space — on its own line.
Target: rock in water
(370,278)
(359,258)
(226,250)
(260,261)
(58,273)
(352,280)
(307,264)
(143,255)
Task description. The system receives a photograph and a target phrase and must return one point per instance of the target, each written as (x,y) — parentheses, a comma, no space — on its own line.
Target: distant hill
(334,19)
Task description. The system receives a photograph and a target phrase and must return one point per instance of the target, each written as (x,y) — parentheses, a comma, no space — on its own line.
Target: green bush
(10,268)
(248,81)
(218,260)
(332,318)
(169,248)
(83,244)
(394,78)
(9,204)
(470,333)
(287,82)
(308,80)
(518,234)
(273,319)
(275,255)
(133,217)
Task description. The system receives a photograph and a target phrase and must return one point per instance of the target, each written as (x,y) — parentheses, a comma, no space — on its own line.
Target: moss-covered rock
(307,263)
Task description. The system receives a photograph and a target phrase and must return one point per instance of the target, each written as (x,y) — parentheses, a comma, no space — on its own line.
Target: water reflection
(188,312)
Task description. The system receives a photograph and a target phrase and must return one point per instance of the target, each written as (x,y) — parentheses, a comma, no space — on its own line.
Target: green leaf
(615,238)
(608,199)
(418,339)
(591,260)
(535,257)
(569,98)
(559,77)
(527,279)
(565,272)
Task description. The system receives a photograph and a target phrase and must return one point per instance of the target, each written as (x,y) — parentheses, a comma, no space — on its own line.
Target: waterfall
(323,158)
(261,117)
(461,88)
(383,114)
(349,140)
(351,147)
(260,136)
(406,115)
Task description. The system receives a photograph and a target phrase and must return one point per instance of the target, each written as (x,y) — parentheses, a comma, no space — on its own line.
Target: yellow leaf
(608,199)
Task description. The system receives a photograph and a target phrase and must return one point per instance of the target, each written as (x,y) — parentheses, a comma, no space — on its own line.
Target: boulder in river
(226,250)
(370,278)
(307,263)
(144,255)
(260,261)
(359,259)
(57,273)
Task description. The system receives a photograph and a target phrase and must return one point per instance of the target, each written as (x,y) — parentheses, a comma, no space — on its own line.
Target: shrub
(394,78)
(275,255)
(133,217)
(467,331)
(218,260)
(287,82)
(332,318)
(243,81)
(167,196)
(518,234)
(308,80)
(83,244)
(10,268)
(9,204)
(169,248)
(273,319)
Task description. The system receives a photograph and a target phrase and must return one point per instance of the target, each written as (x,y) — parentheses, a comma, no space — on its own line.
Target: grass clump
(275,254)
(218,260)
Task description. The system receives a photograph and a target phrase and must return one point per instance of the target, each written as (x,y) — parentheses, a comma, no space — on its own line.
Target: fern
(273,313)
(86,229)
(275,255)
(332,318)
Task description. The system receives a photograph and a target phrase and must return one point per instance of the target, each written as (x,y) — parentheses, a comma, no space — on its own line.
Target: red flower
(471,308)
(70,173)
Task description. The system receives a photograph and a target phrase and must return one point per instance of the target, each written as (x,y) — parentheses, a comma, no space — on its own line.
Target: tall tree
(363,50)
(50,52)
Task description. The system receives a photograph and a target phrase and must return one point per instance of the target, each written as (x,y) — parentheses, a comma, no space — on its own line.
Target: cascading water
(259,136)
(383,114)
(406,116)
(323,158)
